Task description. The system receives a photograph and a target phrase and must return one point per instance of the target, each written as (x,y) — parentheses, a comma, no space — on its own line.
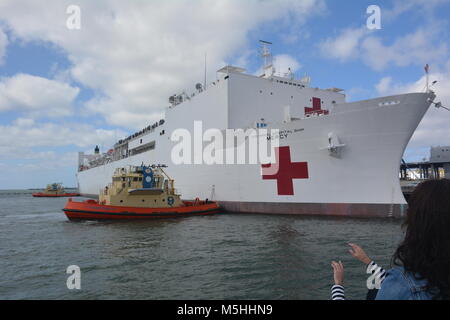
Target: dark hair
(425,250)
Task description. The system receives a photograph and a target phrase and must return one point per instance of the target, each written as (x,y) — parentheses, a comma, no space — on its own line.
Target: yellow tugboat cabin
(145,187)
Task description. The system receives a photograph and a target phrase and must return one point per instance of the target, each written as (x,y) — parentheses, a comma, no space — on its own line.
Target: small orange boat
(138,193)
(46,195)
(55,190)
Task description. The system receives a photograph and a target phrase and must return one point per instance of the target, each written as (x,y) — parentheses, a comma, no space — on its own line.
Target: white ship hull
(362,180)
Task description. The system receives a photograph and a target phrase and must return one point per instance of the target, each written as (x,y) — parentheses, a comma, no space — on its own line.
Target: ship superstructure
(333,157)
(143,187)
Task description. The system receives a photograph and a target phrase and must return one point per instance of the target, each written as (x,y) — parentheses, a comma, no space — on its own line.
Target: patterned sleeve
(376,276)
(337,292)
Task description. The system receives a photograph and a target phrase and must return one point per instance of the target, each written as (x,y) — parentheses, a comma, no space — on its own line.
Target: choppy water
(225,256)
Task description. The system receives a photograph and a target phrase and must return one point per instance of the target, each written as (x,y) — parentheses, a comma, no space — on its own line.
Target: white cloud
(424,8)
(417,48)
(117,111)
(136,54)
(385,86)
(422,46)
(23,122)
(24,134)
(344,46)
(36,95)
(283,62)
(3,45)
(434,128)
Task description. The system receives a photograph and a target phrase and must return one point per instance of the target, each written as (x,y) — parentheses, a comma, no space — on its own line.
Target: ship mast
(427,69)
(268,67)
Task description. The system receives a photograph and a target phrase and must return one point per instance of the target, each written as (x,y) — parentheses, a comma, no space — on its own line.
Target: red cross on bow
(284,171)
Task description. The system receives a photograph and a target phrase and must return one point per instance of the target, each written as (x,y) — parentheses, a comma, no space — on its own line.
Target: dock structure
(437,167)
(426,170)
(431,169)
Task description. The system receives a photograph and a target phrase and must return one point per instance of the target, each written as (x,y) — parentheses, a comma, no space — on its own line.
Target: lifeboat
(55,190)
(144,192)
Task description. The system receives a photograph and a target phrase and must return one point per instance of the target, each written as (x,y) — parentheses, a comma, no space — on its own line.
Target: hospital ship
(333,157)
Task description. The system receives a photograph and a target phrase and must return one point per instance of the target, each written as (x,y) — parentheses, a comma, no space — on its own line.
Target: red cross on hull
(284,171)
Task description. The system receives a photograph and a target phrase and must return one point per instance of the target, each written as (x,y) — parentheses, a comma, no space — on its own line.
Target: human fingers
(354,246)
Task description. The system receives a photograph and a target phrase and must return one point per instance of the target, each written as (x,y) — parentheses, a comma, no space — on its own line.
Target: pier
(437,167)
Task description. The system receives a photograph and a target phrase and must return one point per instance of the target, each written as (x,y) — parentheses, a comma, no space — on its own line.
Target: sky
(66,89)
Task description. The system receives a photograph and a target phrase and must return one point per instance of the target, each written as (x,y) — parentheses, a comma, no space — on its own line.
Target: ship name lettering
(283,134)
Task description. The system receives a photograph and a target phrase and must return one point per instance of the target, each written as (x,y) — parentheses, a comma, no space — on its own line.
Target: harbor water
(224,256)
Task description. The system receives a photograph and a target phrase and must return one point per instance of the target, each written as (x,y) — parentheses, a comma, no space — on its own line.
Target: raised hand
(357,252)
(338,269)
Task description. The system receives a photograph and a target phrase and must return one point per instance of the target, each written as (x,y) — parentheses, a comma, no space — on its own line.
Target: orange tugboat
(55,190)
(144,192)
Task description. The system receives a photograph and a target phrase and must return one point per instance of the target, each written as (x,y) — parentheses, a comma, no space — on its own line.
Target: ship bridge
(239,100)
